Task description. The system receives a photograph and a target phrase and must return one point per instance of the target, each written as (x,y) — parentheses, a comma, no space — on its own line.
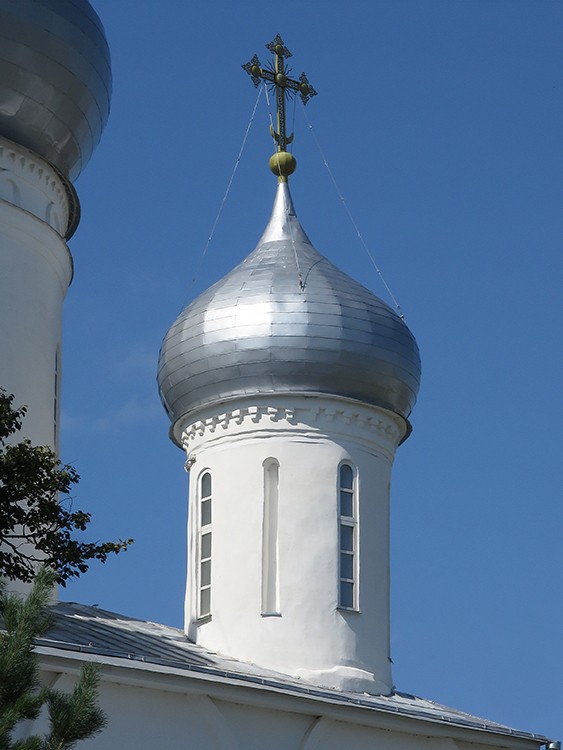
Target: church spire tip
(275,76)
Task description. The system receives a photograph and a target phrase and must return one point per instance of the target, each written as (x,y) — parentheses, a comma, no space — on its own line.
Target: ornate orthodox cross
(275,76)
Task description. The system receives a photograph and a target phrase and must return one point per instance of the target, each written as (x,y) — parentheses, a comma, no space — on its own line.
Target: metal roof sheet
(94,631)
(286,320)
(55,79)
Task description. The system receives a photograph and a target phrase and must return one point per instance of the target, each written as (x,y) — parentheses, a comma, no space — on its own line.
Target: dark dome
(256,331)
(55,79)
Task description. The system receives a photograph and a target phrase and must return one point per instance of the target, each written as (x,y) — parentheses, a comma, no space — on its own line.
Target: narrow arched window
(56,395)
(270,586)
(204,546)
(348,537)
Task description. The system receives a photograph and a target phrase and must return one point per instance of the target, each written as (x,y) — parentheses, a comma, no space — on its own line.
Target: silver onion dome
(263,329)
(55,79)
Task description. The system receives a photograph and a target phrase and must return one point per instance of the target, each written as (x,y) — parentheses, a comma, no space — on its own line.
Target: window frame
(56,396)
(204,530)
(348,550)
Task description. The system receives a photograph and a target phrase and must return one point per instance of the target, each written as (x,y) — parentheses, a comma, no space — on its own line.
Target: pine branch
(76,716)
(73,717)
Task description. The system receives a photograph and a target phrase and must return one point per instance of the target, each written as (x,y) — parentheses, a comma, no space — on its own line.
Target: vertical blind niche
(270,572)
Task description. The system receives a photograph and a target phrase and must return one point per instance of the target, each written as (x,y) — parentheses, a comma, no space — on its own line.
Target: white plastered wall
(148,710)
(36,270)
(35,273)
(310,637)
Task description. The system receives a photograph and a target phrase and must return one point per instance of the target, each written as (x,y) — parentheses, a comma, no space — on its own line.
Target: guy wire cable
(219,212)
(358,233)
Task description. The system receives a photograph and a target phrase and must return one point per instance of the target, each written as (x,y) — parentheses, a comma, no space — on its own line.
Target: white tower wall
(275,572)
(36,270)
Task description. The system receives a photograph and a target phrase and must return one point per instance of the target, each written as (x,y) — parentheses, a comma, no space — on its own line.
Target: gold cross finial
(276,76)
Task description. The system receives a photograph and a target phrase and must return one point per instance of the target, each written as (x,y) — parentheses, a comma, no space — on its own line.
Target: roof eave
(258,693)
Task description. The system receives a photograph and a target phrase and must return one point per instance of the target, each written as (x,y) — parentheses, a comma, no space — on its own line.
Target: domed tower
(289,386)
(55,86)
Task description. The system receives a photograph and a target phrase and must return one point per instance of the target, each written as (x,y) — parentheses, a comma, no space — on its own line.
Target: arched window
(204,546)
(348,538)
(56,401)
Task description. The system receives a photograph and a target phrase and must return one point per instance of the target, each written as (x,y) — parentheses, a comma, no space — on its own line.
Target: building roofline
(397,712)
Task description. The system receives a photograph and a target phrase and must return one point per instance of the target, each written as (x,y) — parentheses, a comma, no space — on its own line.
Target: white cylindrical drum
(35,272)
(289,537)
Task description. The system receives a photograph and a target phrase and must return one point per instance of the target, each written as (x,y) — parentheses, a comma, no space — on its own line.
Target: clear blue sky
(442,122)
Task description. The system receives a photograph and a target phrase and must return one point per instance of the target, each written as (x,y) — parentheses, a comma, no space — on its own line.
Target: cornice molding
(31,184)
(366,423)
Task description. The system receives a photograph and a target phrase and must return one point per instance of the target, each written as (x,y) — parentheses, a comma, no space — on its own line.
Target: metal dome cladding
(263,329)
(55,79)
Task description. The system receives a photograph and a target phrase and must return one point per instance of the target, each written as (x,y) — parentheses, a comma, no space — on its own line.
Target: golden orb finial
(282,164)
